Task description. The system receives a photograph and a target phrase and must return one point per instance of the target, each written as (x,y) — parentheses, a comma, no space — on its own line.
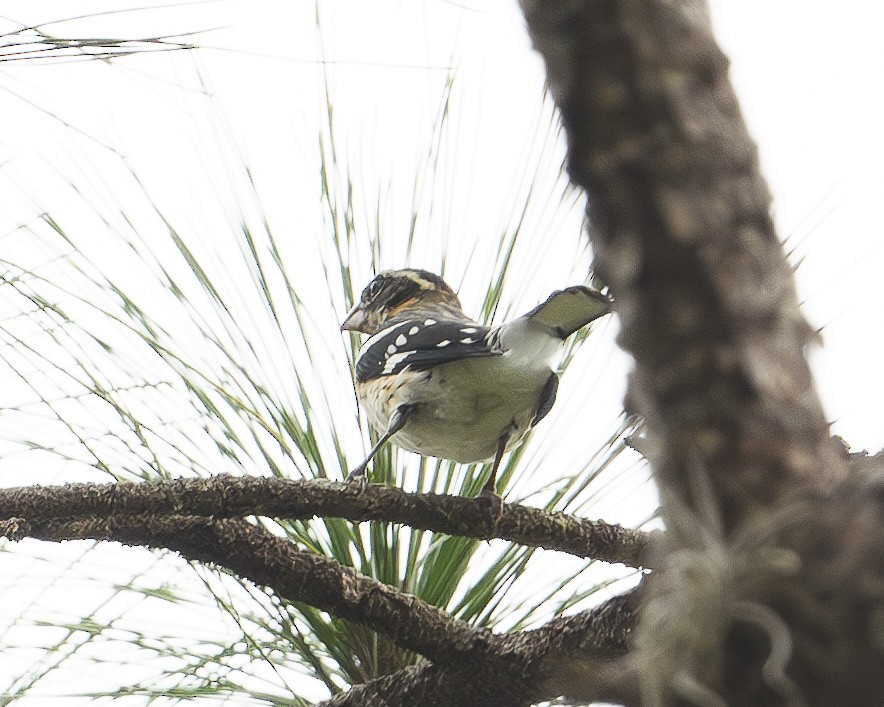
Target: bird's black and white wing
(420,344)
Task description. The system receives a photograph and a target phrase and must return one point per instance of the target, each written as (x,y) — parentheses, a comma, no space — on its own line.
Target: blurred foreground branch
(763,523)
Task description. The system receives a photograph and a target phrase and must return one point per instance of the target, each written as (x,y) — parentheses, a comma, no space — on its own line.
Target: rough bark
(525,668)
(682,233)
(833,595)
(744,600)
(266,559)
(466,665)
(226,496)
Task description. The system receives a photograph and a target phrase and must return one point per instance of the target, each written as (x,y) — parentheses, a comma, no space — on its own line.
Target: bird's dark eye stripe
(401,290)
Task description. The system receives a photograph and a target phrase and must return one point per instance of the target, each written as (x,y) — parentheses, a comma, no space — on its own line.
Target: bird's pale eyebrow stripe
(414,277)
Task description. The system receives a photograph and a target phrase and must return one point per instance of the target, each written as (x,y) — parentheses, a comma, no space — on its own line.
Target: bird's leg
(489,490)
(490,487)
(397,422)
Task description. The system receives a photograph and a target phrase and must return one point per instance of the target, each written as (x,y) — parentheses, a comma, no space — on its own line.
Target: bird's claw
(495,506)
(358,477)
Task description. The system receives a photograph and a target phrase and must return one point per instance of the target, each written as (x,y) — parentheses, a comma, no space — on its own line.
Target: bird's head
(397,294)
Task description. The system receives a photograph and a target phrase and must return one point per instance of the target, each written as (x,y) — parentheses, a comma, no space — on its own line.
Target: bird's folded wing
(421,344)
(566,311)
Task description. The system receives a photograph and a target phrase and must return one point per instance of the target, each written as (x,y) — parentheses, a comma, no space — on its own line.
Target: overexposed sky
(809,76)
(811,81)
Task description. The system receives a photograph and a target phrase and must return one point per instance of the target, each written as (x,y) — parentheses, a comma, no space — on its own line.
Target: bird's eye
(372,290)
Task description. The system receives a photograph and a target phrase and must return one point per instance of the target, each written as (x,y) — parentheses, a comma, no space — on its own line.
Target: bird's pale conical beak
(356,320)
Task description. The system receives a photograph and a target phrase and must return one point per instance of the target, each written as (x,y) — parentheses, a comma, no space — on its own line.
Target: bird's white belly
(465,407)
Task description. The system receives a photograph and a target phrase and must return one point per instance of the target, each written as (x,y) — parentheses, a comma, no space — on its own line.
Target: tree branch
(231,496)
(513,661)
(576,654)
(256,554)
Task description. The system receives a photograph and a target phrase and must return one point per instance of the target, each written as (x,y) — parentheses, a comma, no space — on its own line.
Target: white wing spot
(442,343)
(468,340)
(393,361)
(414,330)
(469,330)
(391,349)
(401,340)
(429,322)
(378,337)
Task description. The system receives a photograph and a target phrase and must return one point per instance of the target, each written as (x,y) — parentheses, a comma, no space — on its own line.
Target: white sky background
(810,78)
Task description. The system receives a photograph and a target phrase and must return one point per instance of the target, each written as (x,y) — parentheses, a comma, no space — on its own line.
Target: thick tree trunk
(744,609)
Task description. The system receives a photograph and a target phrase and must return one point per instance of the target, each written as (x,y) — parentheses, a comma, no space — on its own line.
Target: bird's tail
(566,311)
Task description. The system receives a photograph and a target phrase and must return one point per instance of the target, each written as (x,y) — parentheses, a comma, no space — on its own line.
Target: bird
(436,382)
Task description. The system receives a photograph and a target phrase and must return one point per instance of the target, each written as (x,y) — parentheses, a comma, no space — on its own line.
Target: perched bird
(435,382)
